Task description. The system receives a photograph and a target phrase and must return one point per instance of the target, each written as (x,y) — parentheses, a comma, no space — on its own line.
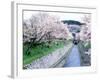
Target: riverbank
(84,57)
(51,60)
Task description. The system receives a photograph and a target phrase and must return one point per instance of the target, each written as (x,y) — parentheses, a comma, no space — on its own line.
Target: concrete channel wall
(52,60)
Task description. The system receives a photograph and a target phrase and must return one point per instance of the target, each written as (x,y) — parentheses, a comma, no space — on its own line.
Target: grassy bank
(40,50)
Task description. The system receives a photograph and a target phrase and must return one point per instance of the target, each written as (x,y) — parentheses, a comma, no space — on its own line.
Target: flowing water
(73,59)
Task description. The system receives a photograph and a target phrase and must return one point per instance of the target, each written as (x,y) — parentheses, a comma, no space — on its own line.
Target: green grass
(40,50)
(87,45)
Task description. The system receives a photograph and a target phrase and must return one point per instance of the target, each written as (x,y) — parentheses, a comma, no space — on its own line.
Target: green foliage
(87,45)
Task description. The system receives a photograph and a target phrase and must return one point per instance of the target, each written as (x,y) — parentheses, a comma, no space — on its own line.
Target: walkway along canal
(73,59)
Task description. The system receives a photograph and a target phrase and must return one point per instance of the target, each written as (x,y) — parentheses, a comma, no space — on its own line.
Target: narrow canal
(73,59)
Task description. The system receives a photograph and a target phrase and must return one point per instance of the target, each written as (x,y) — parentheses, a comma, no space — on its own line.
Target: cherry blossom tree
(42,27)
(85,33)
